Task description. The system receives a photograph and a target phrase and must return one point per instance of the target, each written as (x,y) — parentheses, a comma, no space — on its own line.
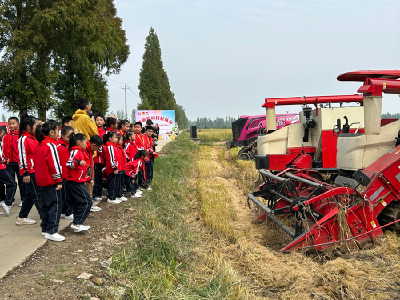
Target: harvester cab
(312,139)
(365,196)
(246,129)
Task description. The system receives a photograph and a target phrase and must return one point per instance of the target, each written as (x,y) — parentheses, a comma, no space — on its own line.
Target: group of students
(64,171)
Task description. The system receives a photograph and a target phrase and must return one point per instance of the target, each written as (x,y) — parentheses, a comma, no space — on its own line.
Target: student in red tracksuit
(5,177)
(63,154)
(130,147)
(93,146)
(49,179)
(111,124)
(121,168)
(111,158)
(150,150)
(132,171)
(140,145)
(99,162)
(10,151)
(100,121)
(26,149)
(77,169)
(123,127)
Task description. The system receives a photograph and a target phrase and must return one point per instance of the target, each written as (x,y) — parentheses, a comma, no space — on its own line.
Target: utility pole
(126,110)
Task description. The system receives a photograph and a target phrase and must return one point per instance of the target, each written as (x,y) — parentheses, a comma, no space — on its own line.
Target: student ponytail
(75,137)
(26,121)
(111,121)
(107,136)
(44,130)
(140,154)
(129,133)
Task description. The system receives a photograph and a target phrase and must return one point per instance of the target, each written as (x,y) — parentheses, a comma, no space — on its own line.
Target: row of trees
(390,116)
(204,123)
(56,51)
(154,88)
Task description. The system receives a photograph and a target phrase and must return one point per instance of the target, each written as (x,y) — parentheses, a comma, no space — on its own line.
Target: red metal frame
(272,102)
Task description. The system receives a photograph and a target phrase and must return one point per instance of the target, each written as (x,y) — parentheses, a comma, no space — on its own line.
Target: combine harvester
(362,200)
(246,129)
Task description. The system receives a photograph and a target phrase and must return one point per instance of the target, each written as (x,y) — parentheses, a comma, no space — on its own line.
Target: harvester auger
(364,198)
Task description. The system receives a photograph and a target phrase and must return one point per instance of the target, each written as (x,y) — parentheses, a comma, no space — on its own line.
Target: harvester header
(351,198)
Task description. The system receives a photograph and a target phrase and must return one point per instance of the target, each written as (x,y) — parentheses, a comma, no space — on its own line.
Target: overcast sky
(224,57)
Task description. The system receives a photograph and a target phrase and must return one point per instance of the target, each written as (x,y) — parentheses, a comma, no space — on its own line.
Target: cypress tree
(155,90)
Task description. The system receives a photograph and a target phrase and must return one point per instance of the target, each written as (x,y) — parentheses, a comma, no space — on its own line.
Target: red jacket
(108,129)
(149,147)
(101,131)
(10,146)
(130,150)
(48,169)
(90,155)
(140,141)
(111,157)
(76,172)
(122,158)
(63,154)
(3,160)
(99,158)
(26,148)
(133,167)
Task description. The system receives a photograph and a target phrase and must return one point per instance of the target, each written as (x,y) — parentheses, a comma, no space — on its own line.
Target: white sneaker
(122,199)
(54,237)
(80,228)
(139,191)
(136,195)
(44,233)
(25,221)
(1,202)
(97,199)
(20,204)
(6,209)
(95,208)
(104,197)
(114,201)
(70,217)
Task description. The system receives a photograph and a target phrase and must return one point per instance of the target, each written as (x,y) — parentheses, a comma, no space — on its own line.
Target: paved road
(19,242)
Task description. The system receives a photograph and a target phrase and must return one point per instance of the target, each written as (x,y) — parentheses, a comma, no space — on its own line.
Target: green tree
(57,51)
(155,90)
(120,114)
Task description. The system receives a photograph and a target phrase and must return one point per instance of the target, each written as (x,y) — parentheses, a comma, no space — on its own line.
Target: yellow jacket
(82,123)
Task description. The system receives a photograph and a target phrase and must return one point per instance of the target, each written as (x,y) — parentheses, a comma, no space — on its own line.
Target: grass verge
(159,262)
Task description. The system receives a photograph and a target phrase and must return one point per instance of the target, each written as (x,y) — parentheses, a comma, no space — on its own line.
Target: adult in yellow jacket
(81,121)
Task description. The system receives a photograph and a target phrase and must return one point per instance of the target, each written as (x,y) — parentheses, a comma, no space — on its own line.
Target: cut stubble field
(192,238)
